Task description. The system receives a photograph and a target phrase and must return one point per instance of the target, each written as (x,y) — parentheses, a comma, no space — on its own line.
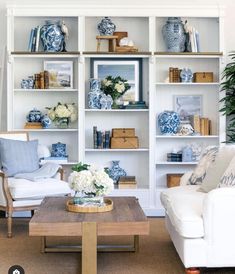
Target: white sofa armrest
(184,179)
(219,224)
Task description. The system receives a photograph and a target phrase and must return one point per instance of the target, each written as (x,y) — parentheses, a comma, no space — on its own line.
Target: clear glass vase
(89,201)
(63,123)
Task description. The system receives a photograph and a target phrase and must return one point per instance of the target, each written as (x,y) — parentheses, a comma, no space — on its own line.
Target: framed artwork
(187,105)
(129,69)
(60,73)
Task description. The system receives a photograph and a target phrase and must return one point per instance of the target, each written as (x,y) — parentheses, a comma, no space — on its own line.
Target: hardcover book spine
(99,139)
(37,38)
(30,40)
(46,79)
(42,80)
(37,81)
(107,139)
(95,145)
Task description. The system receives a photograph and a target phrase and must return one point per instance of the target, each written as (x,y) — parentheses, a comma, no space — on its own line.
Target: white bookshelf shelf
(116,110)
(176,163)
(117,150)
(49,130)
(45,90)
(187,84)
(187,137)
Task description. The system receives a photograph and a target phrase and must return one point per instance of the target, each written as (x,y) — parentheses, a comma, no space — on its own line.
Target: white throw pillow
(228,178)
(217,168)
(43,151)
(199,173)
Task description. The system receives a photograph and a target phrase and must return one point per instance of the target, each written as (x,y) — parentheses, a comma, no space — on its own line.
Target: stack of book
(201,125)
(33,125)
(174,75)
(136,105)
(127,182)
(34,39)
(174,157)
(57,160)
(101,139)
(41,80)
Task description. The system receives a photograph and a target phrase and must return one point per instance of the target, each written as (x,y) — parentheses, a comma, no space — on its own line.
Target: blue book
(30,40)
(34,40)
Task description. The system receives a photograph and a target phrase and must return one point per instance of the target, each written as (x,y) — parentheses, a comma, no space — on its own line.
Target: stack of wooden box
(123,138)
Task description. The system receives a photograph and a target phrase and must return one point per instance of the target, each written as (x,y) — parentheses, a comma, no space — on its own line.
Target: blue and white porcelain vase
(106,26)
(168,122)
(27,83)
(95,84)
(34,116)
(186,75)
(115,172)
(94,94)
(58,150)
(46,121)
(174,34)
(52,37)
(106,101)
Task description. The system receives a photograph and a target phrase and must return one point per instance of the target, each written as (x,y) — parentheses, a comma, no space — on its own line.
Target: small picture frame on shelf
(187,105)
(129,69)
(60,74)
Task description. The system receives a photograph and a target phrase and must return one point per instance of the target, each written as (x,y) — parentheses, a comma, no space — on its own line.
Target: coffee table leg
(136,243)
(89,248)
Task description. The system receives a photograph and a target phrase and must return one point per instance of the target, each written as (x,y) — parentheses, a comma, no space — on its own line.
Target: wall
(229,23)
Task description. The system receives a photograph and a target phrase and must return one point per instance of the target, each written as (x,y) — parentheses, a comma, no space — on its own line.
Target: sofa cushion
(25,189)
(18,156)
(183,205)
(199,173)
(217,168)
(228,178)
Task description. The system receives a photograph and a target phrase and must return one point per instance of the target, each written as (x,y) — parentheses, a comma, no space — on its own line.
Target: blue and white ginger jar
(115,172)
(34,115)
(95,84)
(106,101)
(174,34)
(58,150)
(106,26)
(46,121)
(52,37)
(168,122)
(186,75)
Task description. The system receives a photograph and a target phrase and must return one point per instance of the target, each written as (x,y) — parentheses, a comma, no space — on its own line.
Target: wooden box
(173,179)
(123,132)
(127,182)
(124,142)
(203,77)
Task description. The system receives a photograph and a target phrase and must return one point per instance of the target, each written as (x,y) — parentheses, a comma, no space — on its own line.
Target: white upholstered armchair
(22,194)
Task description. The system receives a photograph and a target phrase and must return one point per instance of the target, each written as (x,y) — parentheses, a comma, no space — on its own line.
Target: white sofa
(201,225)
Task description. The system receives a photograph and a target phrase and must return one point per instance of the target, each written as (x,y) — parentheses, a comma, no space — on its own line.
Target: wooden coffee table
(52,219)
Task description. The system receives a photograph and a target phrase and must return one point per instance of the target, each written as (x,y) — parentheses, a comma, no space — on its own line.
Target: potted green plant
(228,109)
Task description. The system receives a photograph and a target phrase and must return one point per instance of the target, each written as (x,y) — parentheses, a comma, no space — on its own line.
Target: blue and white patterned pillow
(199,173)
(228,178)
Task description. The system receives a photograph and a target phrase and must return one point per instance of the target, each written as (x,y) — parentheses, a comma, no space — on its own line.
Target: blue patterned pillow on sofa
(18,156)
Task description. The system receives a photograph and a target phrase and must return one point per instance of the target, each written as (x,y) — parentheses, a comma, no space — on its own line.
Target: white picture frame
(129,69)
(187,105)
(60,74)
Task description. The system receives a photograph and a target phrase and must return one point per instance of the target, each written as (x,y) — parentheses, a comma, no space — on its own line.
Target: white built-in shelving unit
(143,24)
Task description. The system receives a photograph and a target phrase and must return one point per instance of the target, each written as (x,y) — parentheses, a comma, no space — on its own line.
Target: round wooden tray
(90,209)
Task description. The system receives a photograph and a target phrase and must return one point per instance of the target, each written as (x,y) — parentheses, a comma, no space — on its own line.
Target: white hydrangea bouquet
(90,184)
(114,86)
(63,114)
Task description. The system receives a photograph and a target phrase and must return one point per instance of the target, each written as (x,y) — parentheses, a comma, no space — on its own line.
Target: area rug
(157,254)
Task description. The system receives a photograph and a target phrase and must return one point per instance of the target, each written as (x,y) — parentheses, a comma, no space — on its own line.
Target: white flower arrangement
(63,111)
(92,181)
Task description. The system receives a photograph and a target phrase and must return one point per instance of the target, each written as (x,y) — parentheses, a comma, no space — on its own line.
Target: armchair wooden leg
(192,270)
(9,225)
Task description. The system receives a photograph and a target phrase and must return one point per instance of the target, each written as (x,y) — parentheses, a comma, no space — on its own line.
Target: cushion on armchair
(217,168)
(18,156)
(199,173)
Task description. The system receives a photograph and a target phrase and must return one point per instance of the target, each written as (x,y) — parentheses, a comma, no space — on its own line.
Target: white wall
(229,19)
